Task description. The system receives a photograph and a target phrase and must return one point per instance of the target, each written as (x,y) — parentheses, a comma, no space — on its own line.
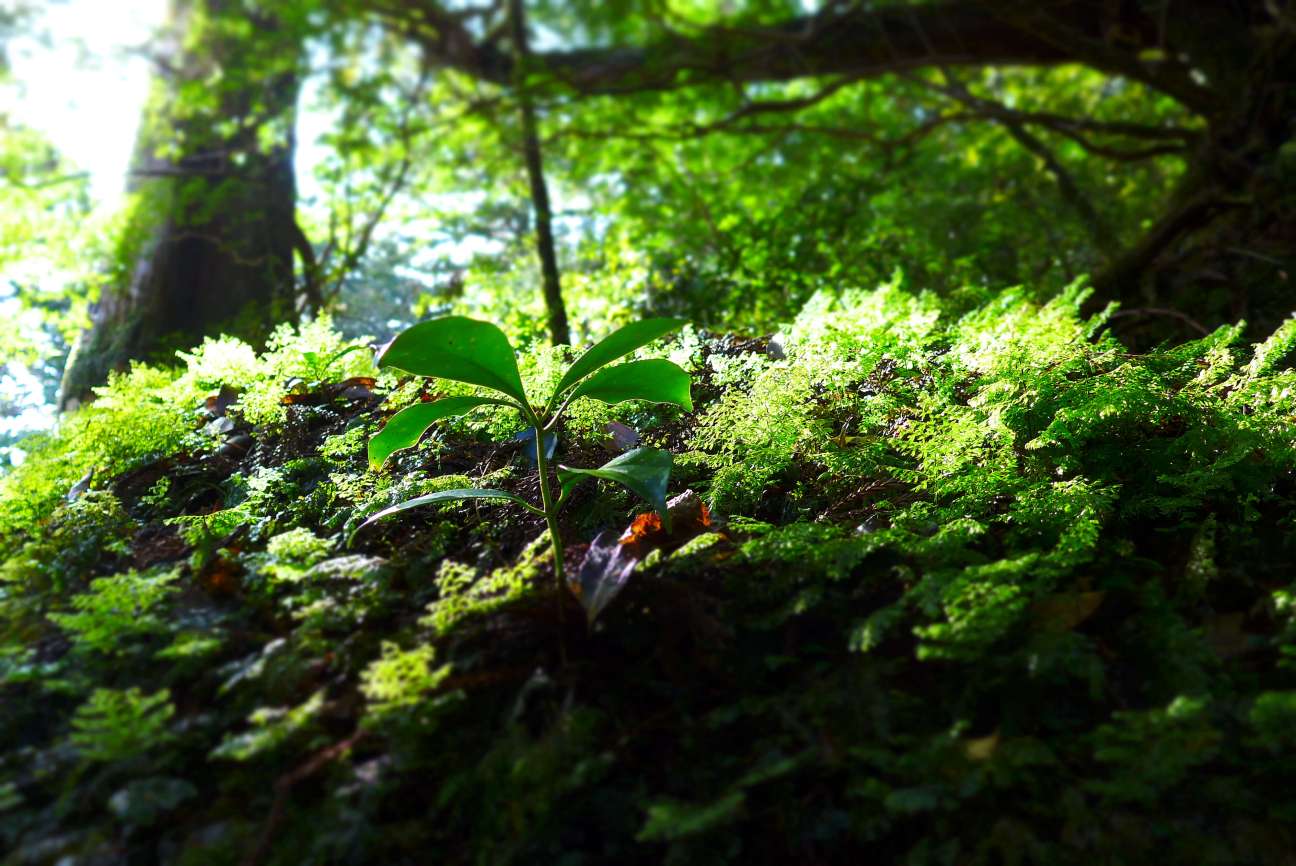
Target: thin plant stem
(549,506)
(551,518)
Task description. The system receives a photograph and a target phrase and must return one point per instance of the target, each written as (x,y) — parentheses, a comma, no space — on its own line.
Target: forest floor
(968,588)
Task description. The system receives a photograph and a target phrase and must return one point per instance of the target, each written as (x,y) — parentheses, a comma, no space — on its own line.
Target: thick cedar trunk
(210,240)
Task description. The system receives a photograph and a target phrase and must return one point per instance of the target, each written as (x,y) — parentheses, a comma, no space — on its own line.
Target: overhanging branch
(856,42)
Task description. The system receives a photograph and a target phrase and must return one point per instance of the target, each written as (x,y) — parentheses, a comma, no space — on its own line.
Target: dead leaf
(217,404)
(981,749)
(1065,610)
(77,490)
(1224,634)
(642,528)
(604,572)
(612,556)
(621,437)
(303,393)
(221,577)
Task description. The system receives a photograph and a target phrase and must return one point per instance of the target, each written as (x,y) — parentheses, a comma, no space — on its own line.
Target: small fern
(117,725)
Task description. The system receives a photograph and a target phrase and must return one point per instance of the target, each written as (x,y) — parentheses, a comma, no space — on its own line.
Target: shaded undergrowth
(986,589)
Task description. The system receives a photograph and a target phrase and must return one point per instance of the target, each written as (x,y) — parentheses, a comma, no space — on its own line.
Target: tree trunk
(209,240)
(555,307)
(1225,248)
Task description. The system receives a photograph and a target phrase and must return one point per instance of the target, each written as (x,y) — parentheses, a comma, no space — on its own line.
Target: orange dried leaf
(644,526)
(1225,634)
(222,577)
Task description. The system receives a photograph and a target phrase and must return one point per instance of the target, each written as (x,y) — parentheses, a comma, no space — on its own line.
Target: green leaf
(657,381)
(458,348)
(615,345)
(407,426)
(447,496)
(646,471)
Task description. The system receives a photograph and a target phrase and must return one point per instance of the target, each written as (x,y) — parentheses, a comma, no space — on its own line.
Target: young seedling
(478,353)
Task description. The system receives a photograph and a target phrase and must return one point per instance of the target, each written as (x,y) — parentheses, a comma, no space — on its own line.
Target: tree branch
(858,42)
(1066,184)
(310,268)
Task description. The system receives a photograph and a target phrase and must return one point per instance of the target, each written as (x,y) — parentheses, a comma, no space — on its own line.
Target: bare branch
(858,41)
(1067,187)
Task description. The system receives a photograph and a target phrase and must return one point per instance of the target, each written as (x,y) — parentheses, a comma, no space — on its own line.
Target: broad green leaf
(646,471)
(615,345)
(458,348)
(407,426)
(656,380)
(446,496)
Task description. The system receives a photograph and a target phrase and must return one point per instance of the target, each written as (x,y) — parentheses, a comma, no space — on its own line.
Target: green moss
(463,596)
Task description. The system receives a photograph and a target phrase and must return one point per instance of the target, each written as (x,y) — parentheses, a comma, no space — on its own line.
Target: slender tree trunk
(559,331)
(209,241)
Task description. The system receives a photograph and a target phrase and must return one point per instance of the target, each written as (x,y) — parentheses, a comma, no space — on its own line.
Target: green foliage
(271,727)
(400,678)
(646,471)
(118,609)
(961,557)
(79,536)
(158,406)
(290,555)
(983,585)
(118,725)
(407,426)
(478,353)
(463,595)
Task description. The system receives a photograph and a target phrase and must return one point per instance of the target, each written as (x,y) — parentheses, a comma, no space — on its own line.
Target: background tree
(209,243)
(1221,239)
(718,162)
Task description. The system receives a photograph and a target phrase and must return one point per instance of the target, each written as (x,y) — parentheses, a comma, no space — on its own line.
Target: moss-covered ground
(983,587)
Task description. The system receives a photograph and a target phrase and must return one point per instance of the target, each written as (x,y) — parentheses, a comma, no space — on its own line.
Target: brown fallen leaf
(612,556)
(620,437)
(981,749)
(1224,634)
(642,528)
(217,404)
(221,577)
(1065,610)
(302,393)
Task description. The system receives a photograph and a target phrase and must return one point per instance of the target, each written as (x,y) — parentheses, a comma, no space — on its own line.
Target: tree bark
(208,243)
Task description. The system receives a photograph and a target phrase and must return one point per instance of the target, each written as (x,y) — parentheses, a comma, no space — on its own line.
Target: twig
(283,787)
(1144,312)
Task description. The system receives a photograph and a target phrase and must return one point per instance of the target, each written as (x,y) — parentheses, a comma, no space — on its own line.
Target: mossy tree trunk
(208,243)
